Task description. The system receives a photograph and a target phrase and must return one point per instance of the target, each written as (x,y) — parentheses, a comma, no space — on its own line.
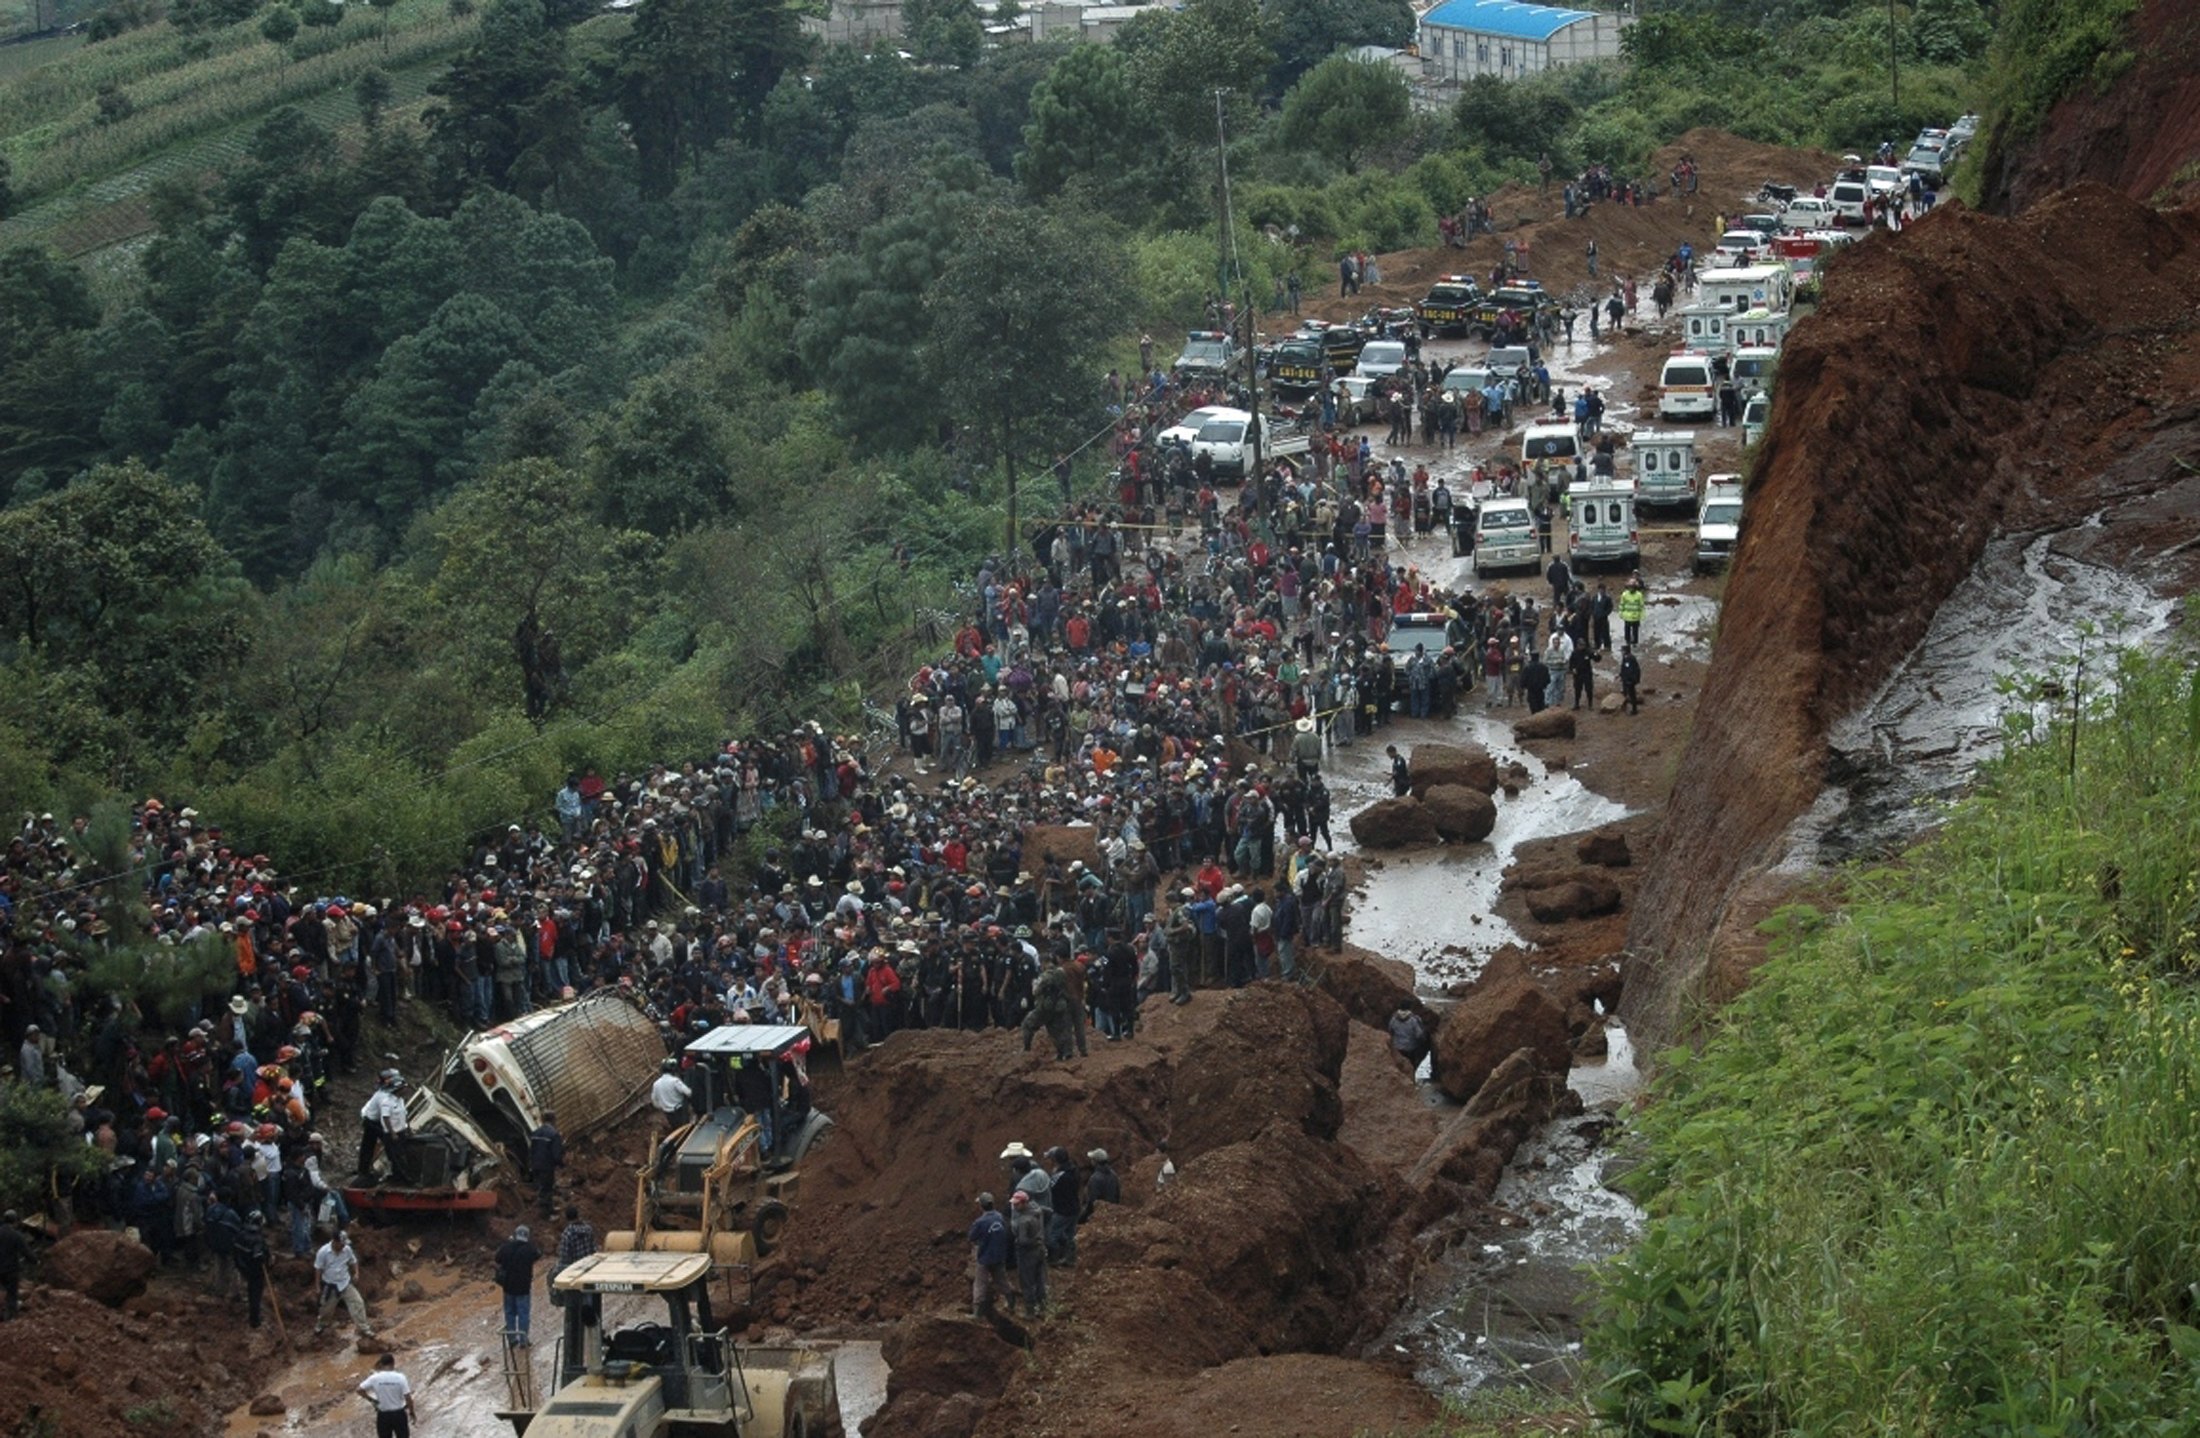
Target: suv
(1295,366)
(1207,352)
(1529,301)
(1380,359)
(1718,521)
(1808,212)
(1449,307)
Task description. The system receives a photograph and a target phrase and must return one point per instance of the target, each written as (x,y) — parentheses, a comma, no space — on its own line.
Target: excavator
(722,1184)
(618,1372)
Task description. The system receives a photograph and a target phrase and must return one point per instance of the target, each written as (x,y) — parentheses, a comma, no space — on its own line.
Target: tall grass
(1939,1173)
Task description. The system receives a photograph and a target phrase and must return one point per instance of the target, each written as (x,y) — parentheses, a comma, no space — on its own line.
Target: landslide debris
(1973,377)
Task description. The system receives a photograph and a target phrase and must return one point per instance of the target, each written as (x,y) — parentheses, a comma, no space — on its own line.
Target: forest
(655,374)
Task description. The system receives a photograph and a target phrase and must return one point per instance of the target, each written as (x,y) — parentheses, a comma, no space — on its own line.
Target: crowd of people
(1109,785)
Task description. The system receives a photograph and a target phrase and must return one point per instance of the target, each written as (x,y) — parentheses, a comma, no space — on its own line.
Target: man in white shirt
(391,1396)
(668,1097)
(381,1120)
(333,1267)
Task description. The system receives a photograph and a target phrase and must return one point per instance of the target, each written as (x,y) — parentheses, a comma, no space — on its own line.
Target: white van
(1552,443)
(1747,287)
(1849,199)
(1719,521)
(1756,414)
(1504,537)
(1686,387)
(1758,329)
(1752,367)
(1603,523)
(1703,327)
(1665,466)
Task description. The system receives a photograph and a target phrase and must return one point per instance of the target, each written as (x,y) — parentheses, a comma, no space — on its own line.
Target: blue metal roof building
(1509,39)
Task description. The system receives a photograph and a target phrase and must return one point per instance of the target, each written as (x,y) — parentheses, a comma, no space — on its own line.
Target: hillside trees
(1345,107)
(695,72)
(1084,116)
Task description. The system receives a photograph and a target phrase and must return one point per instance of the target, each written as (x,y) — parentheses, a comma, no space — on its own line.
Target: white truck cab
(1752,367)
(1807,212)
(1718,521)
(1665,466)
(1756,414)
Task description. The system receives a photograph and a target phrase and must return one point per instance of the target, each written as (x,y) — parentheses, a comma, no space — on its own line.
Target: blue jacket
(989,1236)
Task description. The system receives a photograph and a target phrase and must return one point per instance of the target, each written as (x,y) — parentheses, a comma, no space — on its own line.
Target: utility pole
(1894,57)
(1227,269)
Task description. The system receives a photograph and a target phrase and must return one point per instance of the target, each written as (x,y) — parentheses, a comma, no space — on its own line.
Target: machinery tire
(769,1226)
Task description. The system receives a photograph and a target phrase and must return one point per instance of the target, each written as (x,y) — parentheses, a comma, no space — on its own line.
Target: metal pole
(1894,57)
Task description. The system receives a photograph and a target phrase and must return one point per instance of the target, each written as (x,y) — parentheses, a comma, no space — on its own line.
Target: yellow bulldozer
(722,1183)
(642,1355)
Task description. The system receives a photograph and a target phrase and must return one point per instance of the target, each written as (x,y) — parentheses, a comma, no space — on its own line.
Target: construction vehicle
(642,1378)
(590,1061)
(722,1184)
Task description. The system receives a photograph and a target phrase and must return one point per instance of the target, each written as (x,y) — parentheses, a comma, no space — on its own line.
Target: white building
(1460,39)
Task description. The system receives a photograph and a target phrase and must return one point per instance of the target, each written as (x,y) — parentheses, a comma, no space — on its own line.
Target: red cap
(300,971)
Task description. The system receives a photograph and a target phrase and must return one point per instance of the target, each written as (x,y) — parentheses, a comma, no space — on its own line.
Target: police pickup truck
(1208,354)
(1450,306)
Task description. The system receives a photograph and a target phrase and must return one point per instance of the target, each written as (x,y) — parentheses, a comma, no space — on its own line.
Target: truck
(1602,519)
(1746,287)
(1449,307)
(1718,522)
(1665,466)
(590,1060)
(1295,366)
(643,1355)
(1208,354)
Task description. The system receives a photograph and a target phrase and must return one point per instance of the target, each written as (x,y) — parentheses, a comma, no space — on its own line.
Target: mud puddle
(2006,648)
(1509,1310)
(1432,908)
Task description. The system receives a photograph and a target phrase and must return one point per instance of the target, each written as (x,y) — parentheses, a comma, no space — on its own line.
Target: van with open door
(1550,443)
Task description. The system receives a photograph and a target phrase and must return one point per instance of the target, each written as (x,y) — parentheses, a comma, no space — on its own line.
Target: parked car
(1504,537)
(1380,359)
(1718,521)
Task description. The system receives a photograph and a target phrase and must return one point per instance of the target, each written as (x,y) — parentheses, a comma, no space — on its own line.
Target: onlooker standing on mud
(1061,1231)
(989,1257)
(1630,679)
(515,1264)
(1028,1228)
(15,1253)
(391,1395)
(1103,1186)
(545,1156)
(333,1269)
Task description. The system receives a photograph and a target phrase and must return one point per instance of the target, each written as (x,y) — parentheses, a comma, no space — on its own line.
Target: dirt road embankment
(1972,379)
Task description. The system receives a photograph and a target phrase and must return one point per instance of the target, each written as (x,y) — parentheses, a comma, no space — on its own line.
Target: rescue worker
(1633,603)
(989,1259)
(1103,1186)
(1027,1228)
(1050,1008)
(545,1156)
(668,1098)
(381,1120)
(1630,679)
(1061,1235)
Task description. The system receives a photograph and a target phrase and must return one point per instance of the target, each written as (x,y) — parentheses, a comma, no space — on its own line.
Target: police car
(1207,352)
(1449,307)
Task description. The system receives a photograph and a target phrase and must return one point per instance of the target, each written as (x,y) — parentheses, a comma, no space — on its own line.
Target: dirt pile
(104,1266)
(1973,377)
(1400,823)
(2138,135)
(1468,766)
(1506,1010)
(190,1361)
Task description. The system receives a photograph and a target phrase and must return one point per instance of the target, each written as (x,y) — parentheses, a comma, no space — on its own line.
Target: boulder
(1371,988)
(1609,704)
(1504,1011)
(1584,897)
(1607,847)
(1467,765)
(1461,815)
(99,1264)
(1550,724)
(1520,1095)
(1394,824)
(267,1405)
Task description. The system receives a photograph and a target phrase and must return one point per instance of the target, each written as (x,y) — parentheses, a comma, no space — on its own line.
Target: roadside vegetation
(1934,1172)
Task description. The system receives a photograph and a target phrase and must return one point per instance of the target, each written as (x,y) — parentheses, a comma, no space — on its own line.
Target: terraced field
(194,103)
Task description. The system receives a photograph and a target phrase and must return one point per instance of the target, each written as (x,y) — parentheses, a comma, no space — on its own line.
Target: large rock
(99,1264)
(1550,724)
(1394,824)
(1505,1010)
(1467,765)
(1461,815)
(1607,847)
(1582,897)
(1520,1096)
(1371,988)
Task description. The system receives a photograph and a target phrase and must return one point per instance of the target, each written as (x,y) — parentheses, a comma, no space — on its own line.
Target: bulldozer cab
(671,1368)
(722,1184)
